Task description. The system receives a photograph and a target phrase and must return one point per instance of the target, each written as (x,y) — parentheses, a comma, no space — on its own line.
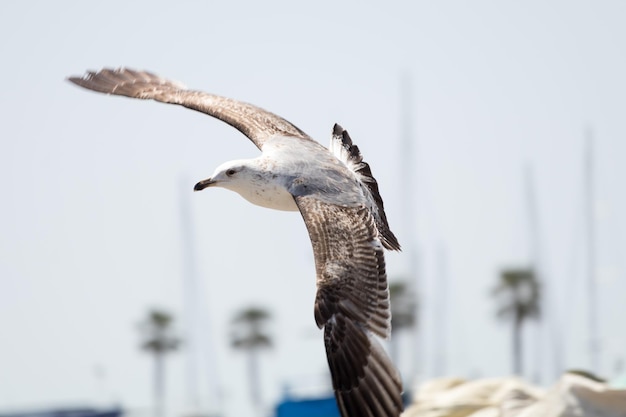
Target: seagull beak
(204,184)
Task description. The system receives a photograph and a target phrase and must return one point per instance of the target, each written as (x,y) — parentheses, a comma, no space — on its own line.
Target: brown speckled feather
(352,304)
(254,122)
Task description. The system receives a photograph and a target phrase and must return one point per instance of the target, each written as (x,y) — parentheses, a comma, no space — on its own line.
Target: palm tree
(249,335)
(518,293)
(403,312)
(158,339)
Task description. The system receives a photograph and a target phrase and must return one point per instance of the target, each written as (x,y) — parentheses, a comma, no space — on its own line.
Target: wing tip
(108,80)
(81,79)
(337,129)
(368,384)
(389,240)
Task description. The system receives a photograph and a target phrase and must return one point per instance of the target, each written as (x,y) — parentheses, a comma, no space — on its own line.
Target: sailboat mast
(594,341)
(410,214)
(190,289)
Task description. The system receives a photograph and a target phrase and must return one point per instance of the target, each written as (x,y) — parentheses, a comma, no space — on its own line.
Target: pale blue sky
(90,228)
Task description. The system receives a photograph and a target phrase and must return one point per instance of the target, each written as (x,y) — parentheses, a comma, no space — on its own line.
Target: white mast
(198,342)
(441,313)
(189,298)
(594,341)
(410,246)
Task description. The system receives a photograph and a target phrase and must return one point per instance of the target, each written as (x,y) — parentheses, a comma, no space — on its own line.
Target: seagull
(338,198)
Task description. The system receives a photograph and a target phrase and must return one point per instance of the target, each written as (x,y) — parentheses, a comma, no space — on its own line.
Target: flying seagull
(338,197)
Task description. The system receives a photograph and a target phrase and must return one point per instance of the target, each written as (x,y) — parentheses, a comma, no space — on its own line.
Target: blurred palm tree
(403,313)
(249,335)
(518,294)
(158,339)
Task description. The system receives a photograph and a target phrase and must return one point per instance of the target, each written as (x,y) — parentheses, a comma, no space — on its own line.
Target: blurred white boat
(572,396)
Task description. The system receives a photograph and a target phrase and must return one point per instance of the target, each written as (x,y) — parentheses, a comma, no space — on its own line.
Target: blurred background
(495,130)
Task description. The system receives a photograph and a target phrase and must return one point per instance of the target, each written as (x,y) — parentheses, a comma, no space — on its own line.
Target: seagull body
(273,179)
(338,198)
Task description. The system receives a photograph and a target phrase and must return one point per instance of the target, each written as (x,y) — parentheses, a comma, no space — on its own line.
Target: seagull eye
(230,172)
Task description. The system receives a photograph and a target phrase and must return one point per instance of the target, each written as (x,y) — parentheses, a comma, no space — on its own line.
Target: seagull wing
(342,147)
(257,124)
(352,304)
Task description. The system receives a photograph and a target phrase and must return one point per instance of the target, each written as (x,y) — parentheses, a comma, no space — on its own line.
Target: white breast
(271,196)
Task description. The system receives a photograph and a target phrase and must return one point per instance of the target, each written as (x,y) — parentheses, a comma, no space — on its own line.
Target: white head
(236,175)
(248,178)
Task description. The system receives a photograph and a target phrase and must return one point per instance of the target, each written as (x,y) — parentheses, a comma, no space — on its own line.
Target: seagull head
(250,179)
(232,175)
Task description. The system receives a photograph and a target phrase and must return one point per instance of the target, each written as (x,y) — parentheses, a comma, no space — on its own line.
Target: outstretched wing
(257,124)
(342,147)
(352,304)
